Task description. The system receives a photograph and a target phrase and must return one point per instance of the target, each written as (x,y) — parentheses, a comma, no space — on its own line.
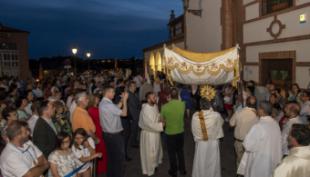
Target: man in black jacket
(44,133)
(134,108)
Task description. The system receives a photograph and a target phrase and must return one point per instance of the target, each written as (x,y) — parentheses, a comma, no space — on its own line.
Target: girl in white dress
(84,149)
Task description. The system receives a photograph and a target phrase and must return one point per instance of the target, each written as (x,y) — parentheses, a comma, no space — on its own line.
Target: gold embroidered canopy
(214,68)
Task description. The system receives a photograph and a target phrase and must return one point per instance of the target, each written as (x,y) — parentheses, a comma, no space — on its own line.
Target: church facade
(273,36)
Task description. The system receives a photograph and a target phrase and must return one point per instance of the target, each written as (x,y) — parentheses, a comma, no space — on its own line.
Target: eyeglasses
(66,142)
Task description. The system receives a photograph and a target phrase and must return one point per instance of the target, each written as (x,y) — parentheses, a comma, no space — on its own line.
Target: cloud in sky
(117,28)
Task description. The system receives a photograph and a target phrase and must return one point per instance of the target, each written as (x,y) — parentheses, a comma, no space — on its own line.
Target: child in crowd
(9,115)
(62,160)
(84,149)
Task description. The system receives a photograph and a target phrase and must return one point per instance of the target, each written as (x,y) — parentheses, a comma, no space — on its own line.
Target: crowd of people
(82,126)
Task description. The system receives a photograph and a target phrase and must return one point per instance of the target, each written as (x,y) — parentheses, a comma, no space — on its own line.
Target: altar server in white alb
(297,163)
(150,143)
(262,145)
(207,130)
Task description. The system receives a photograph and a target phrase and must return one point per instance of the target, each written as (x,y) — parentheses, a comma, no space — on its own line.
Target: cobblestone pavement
(133,168)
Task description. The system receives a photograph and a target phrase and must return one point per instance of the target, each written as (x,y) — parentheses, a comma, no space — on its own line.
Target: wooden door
(277,71)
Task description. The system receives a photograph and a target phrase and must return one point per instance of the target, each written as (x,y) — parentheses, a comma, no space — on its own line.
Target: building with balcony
(273,36)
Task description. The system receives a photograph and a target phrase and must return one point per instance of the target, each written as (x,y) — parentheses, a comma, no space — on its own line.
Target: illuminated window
(9,62)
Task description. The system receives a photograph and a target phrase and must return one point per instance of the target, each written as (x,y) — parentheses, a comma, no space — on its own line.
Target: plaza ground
(133,168)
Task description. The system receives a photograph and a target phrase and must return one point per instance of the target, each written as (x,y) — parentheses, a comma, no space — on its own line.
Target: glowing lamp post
(88,55)
(74,52)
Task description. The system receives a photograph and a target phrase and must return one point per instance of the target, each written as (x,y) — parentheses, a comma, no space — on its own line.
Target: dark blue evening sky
(109,28)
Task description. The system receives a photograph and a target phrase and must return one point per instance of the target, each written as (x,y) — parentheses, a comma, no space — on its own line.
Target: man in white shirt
(305,106)
(150,143)
(292,113)
(20,157)
(207,130)
(138,80)
(262,145)
(243,121)
(37,91)
(297,163)
(261,93)
(145,88)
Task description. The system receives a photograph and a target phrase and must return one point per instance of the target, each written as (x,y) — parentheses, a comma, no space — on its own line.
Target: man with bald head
(243,121)
(262,145)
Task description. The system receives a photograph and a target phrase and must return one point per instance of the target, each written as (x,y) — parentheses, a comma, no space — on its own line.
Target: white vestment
(207,153)
(286,131)
(305,112)
(150,143)
(263,149)
(296,164)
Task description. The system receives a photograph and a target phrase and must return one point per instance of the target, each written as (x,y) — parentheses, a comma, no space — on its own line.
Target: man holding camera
(110,118)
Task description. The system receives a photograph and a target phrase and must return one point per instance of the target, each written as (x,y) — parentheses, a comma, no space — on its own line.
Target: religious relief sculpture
(275,28)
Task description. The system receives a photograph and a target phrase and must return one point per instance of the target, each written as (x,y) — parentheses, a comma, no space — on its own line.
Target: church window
(270,6)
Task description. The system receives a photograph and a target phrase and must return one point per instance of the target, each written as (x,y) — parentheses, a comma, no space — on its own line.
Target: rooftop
(10,29)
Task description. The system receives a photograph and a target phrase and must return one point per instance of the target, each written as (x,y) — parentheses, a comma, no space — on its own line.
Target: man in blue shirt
(110,119)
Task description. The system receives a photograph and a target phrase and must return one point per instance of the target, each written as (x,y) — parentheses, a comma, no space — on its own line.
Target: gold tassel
(236,75)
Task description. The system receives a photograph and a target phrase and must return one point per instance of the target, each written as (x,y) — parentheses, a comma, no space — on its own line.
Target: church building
(273,36)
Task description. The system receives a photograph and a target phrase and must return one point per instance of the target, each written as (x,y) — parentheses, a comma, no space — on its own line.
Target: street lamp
(88,55)
(74,52)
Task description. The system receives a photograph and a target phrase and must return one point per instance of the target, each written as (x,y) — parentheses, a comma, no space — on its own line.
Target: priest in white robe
(207,130)
(297,163)
(262,145)
(150,143)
